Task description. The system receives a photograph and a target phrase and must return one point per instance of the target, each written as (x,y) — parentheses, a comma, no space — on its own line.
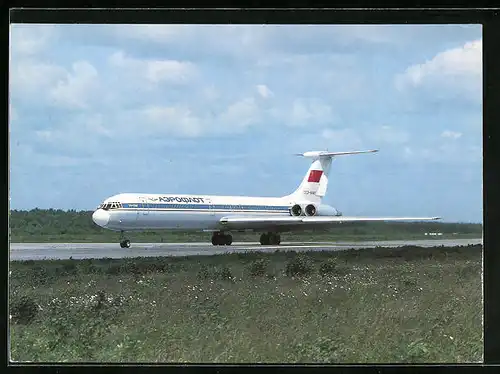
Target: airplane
(221,215)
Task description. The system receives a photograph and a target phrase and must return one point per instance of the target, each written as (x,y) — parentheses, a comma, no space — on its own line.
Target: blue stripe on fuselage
(228,207)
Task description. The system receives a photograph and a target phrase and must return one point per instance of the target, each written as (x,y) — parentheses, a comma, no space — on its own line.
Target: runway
(53,251)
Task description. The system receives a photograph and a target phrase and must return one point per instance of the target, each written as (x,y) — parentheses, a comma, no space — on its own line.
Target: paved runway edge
(53,251)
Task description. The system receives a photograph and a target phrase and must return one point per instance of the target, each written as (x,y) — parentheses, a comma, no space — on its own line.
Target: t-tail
(315,182)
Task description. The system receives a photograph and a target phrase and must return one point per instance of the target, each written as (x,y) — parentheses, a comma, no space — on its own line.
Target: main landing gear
(270,238)
(124,242)
(219,238)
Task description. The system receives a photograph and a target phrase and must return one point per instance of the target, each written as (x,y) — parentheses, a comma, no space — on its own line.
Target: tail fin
(315,182)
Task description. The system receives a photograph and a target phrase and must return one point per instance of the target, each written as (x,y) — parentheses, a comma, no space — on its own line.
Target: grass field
(368,306)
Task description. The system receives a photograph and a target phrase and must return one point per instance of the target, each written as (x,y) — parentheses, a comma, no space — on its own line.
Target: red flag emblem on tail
(315,176)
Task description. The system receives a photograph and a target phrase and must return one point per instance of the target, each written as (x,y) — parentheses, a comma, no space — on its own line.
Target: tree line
(52,223)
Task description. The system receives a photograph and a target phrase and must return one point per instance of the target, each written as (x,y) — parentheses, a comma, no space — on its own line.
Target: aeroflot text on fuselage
(167,199)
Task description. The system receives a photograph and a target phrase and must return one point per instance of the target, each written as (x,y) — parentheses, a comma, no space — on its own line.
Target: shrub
(257,268)
(86,266)
(33,276)
(333,266)
(323,350)
(224,273)
(300,265)
(328,267)
(24,310)
(417,351)
(83,326)
(113,269)
(69,269)
(130,267)
(156,267)
(203,273)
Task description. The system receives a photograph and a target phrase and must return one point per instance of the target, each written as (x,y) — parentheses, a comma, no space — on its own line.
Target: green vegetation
(376,305)
(51,225)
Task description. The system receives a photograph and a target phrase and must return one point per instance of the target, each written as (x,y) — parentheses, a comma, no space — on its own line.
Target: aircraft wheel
(264,239)
(228,239)
(218,239)
(125,243)
(272,238)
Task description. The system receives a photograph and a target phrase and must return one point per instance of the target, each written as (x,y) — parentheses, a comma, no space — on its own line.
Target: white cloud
(210,93)
(35,78)
(180,120)
(388,134)
(25,154)
(28,40)
(152,33)
(264,91)
(339,140)
(169,71)
(77,87)
(466,60)
(449,153)
(13,116)
(45,135)
(82,136)
(451,134)
(305,112)
(156,71)
(94,125)
(240,115)
(454,69)
(31,77)
(175,120)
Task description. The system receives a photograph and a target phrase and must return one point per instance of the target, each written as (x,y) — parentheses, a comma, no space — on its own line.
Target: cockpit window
(113,205)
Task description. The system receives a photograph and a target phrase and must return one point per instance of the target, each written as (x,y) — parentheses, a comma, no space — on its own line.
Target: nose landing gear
(219,238)
(124,242)
(270,238)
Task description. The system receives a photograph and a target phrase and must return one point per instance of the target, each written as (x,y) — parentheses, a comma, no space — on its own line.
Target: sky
(97,110)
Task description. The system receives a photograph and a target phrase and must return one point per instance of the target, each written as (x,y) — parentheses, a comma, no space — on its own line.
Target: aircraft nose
(100,217)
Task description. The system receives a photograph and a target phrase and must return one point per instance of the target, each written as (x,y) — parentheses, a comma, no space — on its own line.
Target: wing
(241,222)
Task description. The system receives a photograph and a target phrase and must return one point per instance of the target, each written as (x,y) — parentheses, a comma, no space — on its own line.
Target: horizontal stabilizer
(332,154)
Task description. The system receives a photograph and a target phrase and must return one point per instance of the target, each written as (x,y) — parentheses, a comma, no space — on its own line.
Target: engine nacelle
(310,210)
(296,210)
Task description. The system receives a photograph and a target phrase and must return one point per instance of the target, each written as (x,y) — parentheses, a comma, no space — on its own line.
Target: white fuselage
(126,212)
